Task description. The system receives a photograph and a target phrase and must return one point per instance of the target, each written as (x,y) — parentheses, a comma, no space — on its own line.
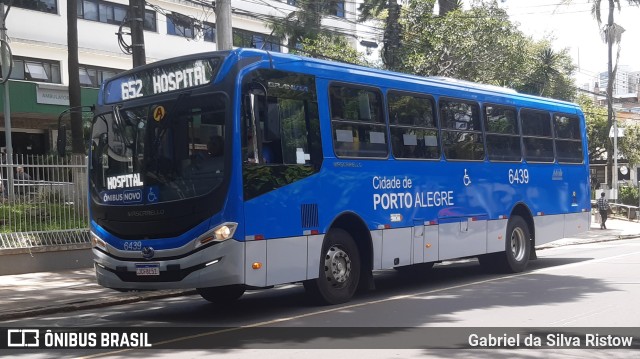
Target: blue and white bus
(245,169)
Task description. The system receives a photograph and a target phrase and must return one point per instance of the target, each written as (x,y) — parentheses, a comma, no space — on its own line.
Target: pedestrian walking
(603,208)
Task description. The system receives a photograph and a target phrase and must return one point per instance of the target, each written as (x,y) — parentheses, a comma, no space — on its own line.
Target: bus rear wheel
(339,269)
(222,295)
(517,249)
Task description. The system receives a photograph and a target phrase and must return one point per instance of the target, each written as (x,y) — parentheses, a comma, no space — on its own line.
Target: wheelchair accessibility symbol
(152,197)
(466,179)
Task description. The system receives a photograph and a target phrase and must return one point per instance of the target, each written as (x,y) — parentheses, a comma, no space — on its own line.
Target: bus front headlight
(218,234)
(97,242)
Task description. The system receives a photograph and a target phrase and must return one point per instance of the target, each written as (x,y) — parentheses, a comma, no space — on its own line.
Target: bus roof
(278,60)
(436,81)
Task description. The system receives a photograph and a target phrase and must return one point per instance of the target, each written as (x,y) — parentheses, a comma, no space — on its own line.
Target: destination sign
(160,79)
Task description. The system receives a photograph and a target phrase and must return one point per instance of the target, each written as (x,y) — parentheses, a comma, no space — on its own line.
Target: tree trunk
(77,138)
(392,37)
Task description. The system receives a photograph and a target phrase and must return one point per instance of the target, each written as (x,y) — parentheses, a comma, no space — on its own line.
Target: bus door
(462,236)
(280,149)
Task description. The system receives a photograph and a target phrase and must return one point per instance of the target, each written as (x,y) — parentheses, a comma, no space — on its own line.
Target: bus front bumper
(216,265)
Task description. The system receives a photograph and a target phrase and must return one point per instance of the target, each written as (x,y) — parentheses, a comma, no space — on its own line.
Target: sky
(572,26)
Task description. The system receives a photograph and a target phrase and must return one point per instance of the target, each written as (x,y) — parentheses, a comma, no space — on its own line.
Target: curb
(595,240)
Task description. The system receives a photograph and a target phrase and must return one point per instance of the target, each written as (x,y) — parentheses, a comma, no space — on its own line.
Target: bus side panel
(430,244)
(396,247)
(417,242)
(575,223)
(256,251)
(286,260)
(461,237)
(314,246)
(376,242)
(496,231)
(548,228)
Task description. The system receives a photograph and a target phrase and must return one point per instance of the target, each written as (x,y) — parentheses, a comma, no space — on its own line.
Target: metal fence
(43,202)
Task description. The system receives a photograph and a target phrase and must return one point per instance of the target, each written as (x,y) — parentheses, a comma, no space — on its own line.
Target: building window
(37,70)
(91,76)
(111,13)
(49,6)
(209,32)
(243,38)
(336,8)
(180,25)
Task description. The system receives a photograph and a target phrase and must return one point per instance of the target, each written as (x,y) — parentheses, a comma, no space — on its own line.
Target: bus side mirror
(61,141)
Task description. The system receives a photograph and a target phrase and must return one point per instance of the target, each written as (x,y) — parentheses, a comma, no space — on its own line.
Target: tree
(550,72)
(597,129)
(77,140)
(392,44)
(304,23)
(335,48)
(629,145)
(611,34)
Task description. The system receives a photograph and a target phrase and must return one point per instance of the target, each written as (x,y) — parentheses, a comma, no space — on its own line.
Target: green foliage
(480,44)
(303,23)
(334,48)
(629,145)
(597,128)
(51,217)
(628,195)
(548,72)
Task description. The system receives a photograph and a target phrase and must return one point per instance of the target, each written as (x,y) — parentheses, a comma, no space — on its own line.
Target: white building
(37,31)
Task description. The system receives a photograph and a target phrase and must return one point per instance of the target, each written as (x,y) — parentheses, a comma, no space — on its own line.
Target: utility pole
(224,37)
(7,108)
(136,8)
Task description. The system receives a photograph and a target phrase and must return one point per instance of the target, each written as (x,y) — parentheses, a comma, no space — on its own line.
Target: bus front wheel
(222,295)
(517,249)
(339,269)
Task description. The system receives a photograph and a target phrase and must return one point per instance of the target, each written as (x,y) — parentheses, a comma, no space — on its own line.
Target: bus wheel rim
(337,266)
(518,244)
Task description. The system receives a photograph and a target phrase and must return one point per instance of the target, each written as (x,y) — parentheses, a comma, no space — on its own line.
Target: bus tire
(517,249)
(222,295)
(339,269)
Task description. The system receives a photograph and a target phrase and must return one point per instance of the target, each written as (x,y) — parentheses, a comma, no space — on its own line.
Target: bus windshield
(159,152)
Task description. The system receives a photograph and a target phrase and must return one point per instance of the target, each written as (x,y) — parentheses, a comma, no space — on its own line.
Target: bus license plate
(147,269)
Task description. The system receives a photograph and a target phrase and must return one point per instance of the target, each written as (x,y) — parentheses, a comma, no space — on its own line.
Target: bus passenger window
(461,131)
(413,128)
(568,141)
(503,135)
(536,135)
(359,129)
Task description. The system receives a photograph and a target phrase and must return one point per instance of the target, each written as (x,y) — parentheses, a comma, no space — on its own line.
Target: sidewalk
(41,293)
